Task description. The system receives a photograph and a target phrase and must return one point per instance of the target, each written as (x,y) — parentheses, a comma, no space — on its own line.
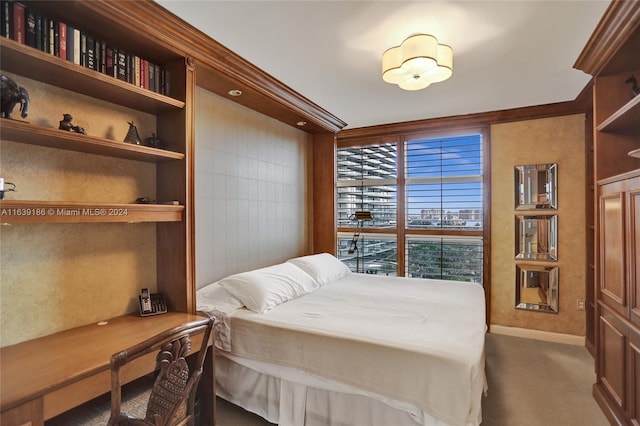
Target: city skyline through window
(442,208)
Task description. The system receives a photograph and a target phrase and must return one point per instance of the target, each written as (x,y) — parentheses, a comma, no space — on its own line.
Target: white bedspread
(420,341)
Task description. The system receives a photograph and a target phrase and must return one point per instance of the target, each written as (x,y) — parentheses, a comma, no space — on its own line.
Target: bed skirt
(290,397)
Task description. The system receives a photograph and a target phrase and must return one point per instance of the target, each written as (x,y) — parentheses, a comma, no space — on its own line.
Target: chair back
(172,398)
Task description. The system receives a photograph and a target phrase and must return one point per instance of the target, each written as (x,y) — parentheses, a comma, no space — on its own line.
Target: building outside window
(425,196)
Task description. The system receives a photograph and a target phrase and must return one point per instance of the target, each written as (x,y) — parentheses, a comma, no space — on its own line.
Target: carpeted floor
(531,383)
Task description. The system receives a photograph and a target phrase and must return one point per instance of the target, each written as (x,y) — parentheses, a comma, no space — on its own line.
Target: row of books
(25,25)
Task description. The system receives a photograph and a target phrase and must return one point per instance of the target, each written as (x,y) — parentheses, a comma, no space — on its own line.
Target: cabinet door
(633,249)
(633,378)
(612,352)
(612,250)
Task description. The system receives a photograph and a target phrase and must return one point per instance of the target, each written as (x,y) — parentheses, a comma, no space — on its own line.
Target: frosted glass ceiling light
(417,62)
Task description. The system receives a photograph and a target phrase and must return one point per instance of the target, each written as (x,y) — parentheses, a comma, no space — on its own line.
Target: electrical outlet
(581,304)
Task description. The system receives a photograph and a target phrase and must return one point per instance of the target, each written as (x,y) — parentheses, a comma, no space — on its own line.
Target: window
(367,181)
(444,182)
(439,182)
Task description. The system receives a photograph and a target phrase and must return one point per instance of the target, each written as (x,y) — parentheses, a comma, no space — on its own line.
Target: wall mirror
(537,288)
(537,237)
(536,186)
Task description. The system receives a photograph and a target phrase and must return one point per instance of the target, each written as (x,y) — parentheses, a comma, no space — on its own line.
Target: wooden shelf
(626,118)
(32,63)
(24,132)
(21,212)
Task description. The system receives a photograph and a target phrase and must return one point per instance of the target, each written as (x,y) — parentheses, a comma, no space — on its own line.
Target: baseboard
(538,334)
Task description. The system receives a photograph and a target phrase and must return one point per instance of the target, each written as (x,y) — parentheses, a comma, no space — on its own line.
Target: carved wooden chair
(172,398)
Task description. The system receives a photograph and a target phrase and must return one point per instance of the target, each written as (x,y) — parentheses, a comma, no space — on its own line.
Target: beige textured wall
(58,276)
(252,175)
(557,140)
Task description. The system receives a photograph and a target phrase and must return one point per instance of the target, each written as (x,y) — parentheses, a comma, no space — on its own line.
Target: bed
(307,343)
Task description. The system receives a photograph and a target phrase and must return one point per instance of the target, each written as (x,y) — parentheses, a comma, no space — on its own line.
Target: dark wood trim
(486,225)
(324,194)
(609,40)
(401,209)
(459,122)
(584,100)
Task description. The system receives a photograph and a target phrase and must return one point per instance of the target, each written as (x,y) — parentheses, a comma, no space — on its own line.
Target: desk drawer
(27,414)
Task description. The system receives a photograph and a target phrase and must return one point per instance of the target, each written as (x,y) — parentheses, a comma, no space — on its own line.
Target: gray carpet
(531,383)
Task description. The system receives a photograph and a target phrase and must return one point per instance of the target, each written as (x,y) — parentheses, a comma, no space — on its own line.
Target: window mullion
(401,207)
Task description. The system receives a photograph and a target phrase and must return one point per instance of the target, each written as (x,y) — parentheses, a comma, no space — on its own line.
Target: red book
(62,40)
(18,23)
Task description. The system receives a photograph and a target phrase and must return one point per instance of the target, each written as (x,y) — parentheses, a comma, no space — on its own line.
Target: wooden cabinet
(611,57)
(618,351)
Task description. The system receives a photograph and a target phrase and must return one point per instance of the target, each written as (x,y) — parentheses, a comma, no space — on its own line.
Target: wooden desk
(44,377)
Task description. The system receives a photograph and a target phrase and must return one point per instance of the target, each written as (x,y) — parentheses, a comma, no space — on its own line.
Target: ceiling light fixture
(235,92)
(417,62)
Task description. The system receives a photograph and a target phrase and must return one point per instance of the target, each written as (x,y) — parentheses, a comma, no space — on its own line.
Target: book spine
(52,38)
(103,57)
(131,69)
(91,53)
(167,82)
(108,61)
(143,71)
(76,46)
(97,55)
(39,22)
(152,77)
(83,49)
(70,43)
(136,70)
(45,34)
(62,40)
(122,65)
(7,19)
(56,39)
(18,22)
(30,27)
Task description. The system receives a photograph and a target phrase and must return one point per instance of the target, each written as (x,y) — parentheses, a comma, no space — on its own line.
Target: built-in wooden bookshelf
(118,27)
(20,212)
(611,57)
(20,131)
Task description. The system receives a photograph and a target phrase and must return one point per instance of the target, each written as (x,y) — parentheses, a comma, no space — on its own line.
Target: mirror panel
(537,237)
(537,288)
(536,186)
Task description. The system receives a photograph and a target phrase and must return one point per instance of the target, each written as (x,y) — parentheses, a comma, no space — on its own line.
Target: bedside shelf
(23,132)
(21,212)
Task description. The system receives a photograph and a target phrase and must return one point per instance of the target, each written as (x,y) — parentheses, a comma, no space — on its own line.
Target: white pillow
(215,297)
(323,268)
(265,288)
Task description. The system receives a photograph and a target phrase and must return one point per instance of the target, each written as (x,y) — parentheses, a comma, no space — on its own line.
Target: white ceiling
(507,54)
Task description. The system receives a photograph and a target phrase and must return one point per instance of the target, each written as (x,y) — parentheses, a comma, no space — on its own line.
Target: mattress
(411,340)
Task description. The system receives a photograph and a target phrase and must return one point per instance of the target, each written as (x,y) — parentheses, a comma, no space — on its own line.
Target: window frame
(401,231)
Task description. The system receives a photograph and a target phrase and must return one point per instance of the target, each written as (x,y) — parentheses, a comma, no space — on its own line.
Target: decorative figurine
(13,94)
(635,90)
(132,135)
(6,187)
(65,124)
(153,141)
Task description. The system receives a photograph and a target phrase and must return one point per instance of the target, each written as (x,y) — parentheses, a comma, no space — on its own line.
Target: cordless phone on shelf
(151,304)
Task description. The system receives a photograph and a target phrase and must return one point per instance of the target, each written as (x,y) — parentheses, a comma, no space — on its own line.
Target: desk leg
(207,390)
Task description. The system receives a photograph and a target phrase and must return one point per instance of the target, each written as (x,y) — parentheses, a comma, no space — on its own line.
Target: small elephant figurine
(11,95)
